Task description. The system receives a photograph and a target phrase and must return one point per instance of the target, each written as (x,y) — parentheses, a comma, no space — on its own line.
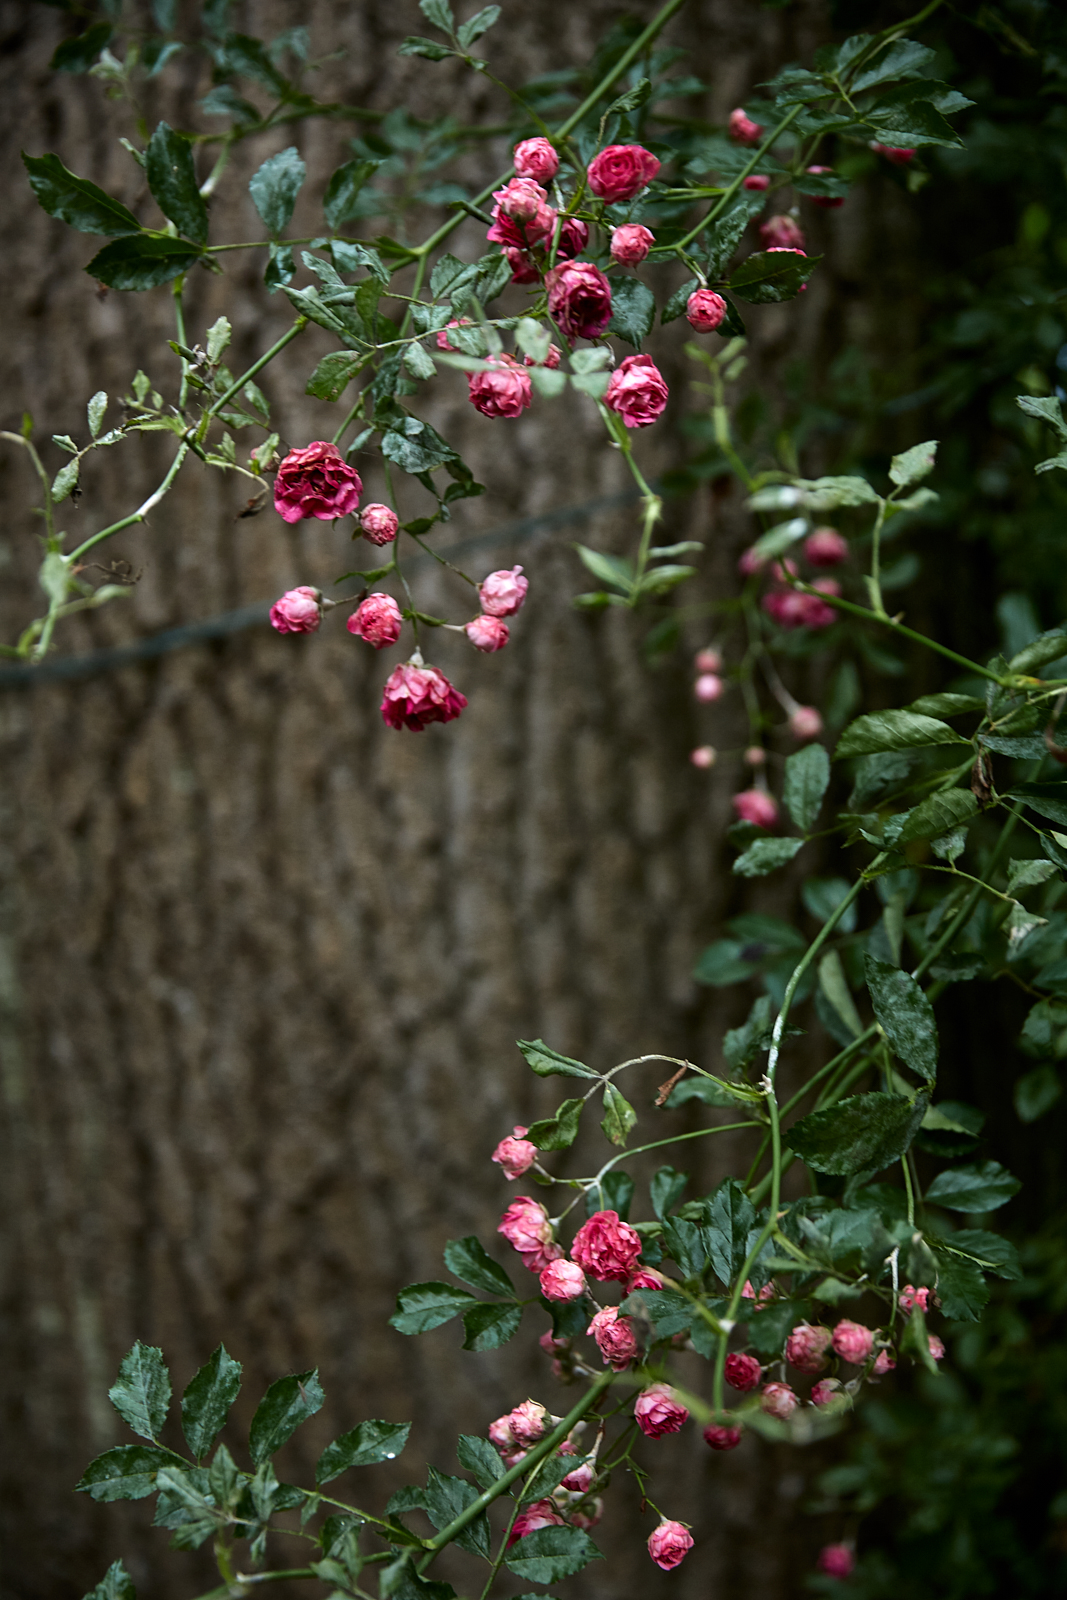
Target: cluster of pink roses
(787,606)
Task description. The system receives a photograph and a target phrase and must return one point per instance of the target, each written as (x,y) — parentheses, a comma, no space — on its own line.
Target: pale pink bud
(442,336)
(853,1342)
(606,1247)
(778,1400)
(708,687)
(806,1348)
(899,155)
(615,1338)
(535,158)
(500,1434)
(755,755)
(503,592)
(910,1297)
(703,756)
(376,619)
(805,723)
(669,1544)
(487,633)
(836,1560)
(824,1391)
(542,1514)
(757,181)
(825,548)
(720,1438)
(705,310)
(515,1155)
(743,129)
(298,611)
(631,243)
(646,1278)
(781,233)
(528,1422)
(708,660)
(883,1363)
(562,1280)
(937,1349)
(755,805)
(742,1372)
(378,524)
(657,1411)
(553,1346)
(581,1480)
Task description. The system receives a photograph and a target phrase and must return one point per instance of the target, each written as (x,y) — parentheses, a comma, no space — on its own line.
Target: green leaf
(487,1326)
(75,200)
(141,1393)
(475,26)
(415,46)
(207,1400)
(342,192)
(126,1473)
(1047,799)
(950,705)
(546,1062)
(619,1116)
(764,855)
(116,1584)
(363,1446)
(275,186)
(632,99)
(893,730)
(913,465)
(862,1134)
(1036,1092)
(143,262)
(834,986)
(725,237)
(422,1306)
(910,125)
(479,1457)
(991,1251)
(730,1218)
(548,381)
(79,53)
(684,1241)
(469,1261)
(438,12)
(679,300)
(172,179)
(64,481)
(905,1016)
(769,276)
(666,1190)
(633,310)
(548,1554)
(349,256)
(334,373)
(286,1404)
(960,1287)
(418,449)
(939,814)
(280,268)
(711,1091)
(982,1186)
(807,777)
(446,1499)
(1047,407)
(418,362)
(559,1131)
(615,571)
(1049,647)
(95,412)
(1025,873)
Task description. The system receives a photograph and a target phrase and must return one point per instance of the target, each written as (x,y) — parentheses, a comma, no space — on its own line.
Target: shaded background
(262,961)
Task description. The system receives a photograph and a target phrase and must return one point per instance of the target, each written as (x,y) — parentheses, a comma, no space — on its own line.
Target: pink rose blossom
(417,695)
(748,1293)
(378,524)
(500,1434)
(527,1422)
(756,805)
(631,243)
(705,310)
(607,1248)
(522,215)
(503,592)
(790,609)
(751,562)
(883,1363)
(503,390)
(782,233)
(824,1391)
(552,359)
(742,1372)
(805,723)
(757,181)
(525,1225)
(573,238)
(581,1480)
(657,1411)
(579,299)
(487,633)
(589,1515)
(542,1514)
(621,171)
(806,1348)
(646,1278)
(756,756)
(825,548)
(708,660)
(910,1297)
(703,756)
(829,202)
(853,1342)
(298,611)
(515,1155)
(937,1349)
(563,1280)
(637,391)
(316,482)
(899,155)
(553,1346)
(442,333)
(615,1338)
(743,130)
(522,264)
(836,1560)
(778,1400)
(669,1544)
(535,158)
(708,687)
(376,619)
(720,1438)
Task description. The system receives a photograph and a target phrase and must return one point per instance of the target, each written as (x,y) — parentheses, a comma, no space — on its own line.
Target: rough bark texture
(264,960)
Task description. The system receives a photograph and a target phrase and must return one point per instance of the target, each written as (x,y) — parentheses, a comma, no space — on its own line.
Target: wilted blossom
(515,1155)
(742,1372)
(615,1338)
(829,202)
(563,1280)
(637,391)
(378,524)
(781,232)
(298,611)
(316,482)
(503,389)
(542,1514)
(853,1342)
(721,1438)
(806,1348)
(825,548)
(910,1297)
(503,592)
(535,158)
(805,723)
(581,1480)
(416,695)
(757,181)
(657,1411)
(937,1349)
(836,1560)
(377,619)
(631,243)
(743,129)
(749,1293)
(579,299)
(527,1422)
(607,1248)
(524,268)
(704,310)
(621,171)
(779,1400)
(708,687)
(669,1544)
(703,756)
(487,633)
(525,1226)
(756,805)
(899,155)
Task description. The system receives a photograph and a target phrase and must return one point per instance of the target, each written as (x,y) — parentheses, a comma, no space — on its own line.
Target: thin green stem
(732,188)
(874,582)
(46,482)
(142,510)
(908,633)
(257,366)
(179,323)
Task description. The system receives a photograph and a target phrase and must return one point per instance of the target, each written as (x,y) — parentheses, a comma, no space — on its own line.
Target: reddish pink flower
(523,266)
(669,1544)
(708,660)
(525,1225)
(646,1278)
(316,482)
(542,1514)
(376,619)
(637,391)
(937,1349)
(781,233)
(615,1338)
(805,723)
(503,592)
(417,695)
(836,1560)
(883,1363)
(657,1411)
(487,633)
(720,1438)
(742,1372)
(759,181)
(621,171)
(853,1342)
(743,129)
(527,1422)
(704,310)
(910,1297)
(522,215)
(703,756)
(791,609)
(298,611)
(899,155)
(756,805)
(824,1391)
(573,238)
(607,1248)
(751,562)
(778,1400)
(708,687)
(825,548)
(535,158)
(806,1348)
(378,524)
(442,333)
(563,1280)
(515,1155)
(579,298)
(553,1346)
(503,390)
(827,201)
(552,359)
(581,1480)
(631,243)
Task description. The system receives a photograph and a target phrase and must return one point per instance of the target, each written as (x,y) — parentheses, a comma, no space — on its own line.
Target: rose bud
(708,660)
(503,592)
(563,1280)
(526,1227)
(376,619)
(910,1297)
(581,1480)
(720,1438)
(535,158)
(704,310)
(778,1400)
(829,202)
(316,482)
(825,548)
(824,1391)
(615,1338)
(937,1349)
(298,611)
(708,687)
(542,1514)
(416,695)
(551,361)
(607,1248)
(757,181)
(883,1363)
(378,524)
(756,756)
(646,1278)
(631,243)
(573,238)
(579,299)
(503,390)
(637,391)
(442,333)
(756,805)
(523,266)
(669,1544)
(589,1515)
(751,562)
(527,1422)
(500,1434)
(743,130)
(742,1372)
(487,633)
(656,1411)
(621,171)
(704,756)
(805,723)
(515,1155)
(806,1348)
(836,1560)
(899,155)
(782,233)
(553,1346)
(853,1342)
(521,215)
